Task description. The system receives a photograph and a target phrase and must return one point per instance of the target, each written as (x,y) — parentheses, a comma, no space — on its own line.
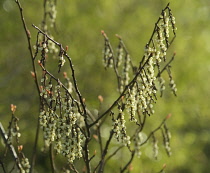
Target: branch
(35,147)
(101,163)
(113,154)
(73,168)
(152,132)
(10,146)
(52,159)
(129,162)
(165,67)
(28,35)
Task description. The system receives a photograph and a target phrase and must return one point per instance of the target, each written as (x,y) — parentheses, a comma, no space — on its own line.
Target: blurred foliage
(79,24)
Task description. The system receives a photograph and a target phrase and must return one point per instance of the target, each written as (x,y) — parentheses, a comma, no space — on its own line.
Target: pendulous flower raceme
(138,86)
(61,121)
(119,128)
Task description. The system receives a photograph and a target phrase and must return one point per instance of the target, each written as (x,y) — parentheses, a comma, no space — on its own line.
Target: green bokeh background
(79,24)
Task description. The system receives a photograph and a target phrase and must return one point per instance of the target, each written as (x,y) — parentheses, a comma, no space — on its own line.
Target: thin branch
(113,154)
(35,147)
(101,163)
(152,132)
(52,159)
(73,168)
(28,35)
(165,67)
(10,146)
(2,165)
(129,162)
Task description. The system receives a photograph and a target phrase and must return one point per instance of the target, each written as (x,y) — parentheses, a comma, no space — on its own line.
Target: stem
(52,163)
(129,162)
(73,168)
(101,163)
(35,147)
(28,35)
(113,154)
(10,146)
(2,165)
(164,68)
(152,132)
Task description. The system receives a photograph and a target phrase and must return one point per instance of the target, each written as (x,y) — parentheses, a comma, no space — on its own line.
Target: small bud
(100,98)
(95,137)
(13,108)
(164,165)
(28,33)
(33,74)
(130,167)
(67,47)
(64,74)
(118,36)
(20,148)
(103,33)
(168,116)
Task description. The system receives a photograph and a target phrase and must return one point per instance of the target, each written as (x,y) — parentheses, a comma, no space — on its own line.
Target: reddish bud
(33,74)
(13,108)
(168,116)
(49,92)
(20,148)
(95,137)
(103,33)
(64,74)
(164,165)
(67,47)
(41,88)
(28,33)
(118,36)
(100,98)
(130,167)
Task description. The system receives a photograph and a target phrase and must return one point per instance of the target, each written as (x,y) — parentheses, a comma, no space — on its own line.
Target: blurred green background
(79,24)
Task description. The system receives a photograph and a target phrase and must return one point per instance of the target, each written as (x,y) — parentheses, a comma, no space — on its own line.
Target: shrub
(69,127)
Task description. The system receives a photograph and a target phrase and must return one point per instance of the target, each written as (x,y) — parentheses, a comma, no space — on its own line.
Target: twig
(129,162)
(164,68)
(101,163)
(28,35)
(52,159)
(35,147)
(10,146)
(113,154)
(2,165)
(27,32)
(152,132)
(73,168)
